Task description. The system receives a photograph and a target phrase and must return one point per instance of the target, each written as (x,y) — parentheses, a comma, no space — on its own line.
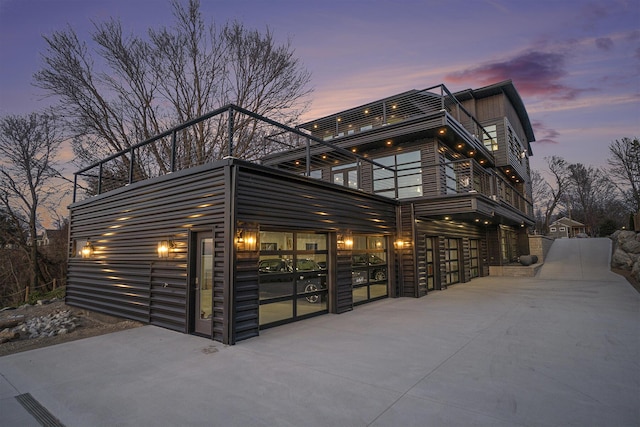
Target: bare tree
(28,148)
(625,170)
(122,89)
(548,195)
(590,193)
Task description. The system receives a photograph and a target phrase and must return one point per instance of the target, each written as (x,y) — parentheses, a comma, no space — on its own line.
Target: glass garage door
(369,274)
(292,276)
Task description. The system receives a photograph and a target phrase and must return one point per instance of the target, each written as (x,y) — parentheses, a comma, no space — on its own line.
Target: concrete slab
(491,352)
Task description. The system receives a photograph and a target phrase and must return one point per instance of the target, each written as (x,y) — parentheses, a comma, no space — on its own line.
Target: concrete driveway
(556,350)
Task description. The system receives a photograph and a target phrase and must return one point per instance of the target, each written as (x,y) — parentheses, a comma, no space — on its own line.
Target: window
(552,229)
(317,173)
(346,175)
(563,229)
(406,183)
(490,138)
(292,272)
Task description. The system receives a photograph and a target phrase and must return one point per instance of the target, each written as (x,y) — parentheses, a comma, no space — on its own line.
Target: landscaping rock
(621,259)
(51,325)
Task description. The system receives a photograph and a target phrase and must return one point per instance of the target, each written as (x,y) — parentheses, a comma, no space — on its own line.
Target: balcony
(468,177)
(434,109)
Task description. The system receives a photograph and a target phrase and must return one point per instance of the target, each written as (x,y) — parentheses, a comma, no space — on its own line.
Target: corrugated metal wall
(125,277)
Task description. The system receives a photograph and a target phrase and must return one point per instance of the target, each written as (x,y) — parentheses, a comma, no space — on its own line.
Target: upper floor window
(407,181)
(490,138)
(346,175)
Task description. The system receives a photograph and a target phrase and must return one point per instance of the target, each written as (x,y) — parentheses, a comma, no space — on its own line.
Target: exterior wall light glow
(87,250)
(164,248)
(345,242)
(400,244)
(246,240)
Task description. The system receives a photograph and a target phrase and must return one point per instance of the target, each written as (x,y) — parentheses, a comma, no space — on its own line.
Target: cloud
(548,135)
(533,72)
(604,43)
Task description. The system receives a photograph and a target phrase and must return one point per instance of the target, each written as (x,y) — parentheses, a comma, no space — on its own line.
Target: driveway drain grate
(39,412)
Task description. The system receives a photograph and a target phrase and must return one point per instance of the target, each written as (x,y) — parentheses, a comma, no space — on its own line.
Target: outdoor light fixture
(164,248)
(399,244)
(344,241)
(87,250)
(246,240)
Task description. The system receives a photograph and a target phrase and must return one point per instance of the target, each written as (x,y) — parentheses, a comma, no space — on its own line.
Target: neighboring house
(566,227)
(395,198)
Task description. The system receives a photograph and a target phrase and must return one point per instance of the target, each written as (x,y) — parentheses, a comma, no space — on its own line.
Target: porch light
(87,250)
(164,248)
(344,241)
(460,146)
(246,240)
(401,244)
(442,131)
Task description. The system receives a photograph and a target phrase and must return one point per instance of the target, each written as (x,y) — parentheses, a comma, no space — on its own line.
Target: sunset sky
(575,63)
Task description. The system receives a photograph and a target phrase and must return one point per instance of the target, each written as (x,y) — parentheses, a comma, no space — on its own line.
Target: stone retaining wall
(626,251)
(540,245)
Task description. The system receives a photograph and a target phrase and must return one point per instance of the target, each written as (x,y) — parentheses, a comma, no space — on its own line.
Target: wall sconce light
(87,250)
(399,244)
(246,240)
(345,241)
(164,248)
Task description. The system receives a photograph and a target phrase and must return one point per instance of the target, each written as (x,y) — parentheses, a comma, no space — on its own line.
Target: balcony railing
(406,106)
(230,131)
(467,176)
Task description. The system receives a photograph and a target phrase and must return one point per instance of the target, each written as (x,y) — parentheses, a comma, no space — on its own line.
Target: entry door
(204,284)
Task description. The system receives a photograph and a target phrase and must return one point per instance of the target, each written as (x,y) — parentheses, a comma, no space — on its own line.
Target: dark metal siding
(407,270)
(344,294)
(125,276)
(285,201)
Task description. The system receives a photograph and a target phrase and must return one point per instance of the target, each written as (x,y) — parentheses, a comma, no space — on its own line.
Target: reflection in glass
(292,272)
(206,278)
(369,271)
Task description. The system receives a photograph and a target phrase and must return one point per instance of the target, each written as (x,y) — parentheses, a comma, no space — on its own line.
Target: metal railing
(467,176)
(396,109)
(230,131)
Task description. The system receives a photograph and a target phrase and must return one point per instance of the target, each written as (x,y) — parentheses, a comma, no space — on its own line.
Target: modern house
(233,222)
(566,227)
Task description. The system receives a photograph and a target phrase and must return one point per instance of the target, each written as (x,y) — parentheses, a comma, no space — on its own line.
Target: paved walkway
(544,351)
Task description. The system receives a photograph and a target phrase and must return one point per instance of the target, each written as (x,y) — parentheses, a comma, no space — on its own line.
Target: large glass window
(369,275)
(293,276)
(408,180)
(490,138)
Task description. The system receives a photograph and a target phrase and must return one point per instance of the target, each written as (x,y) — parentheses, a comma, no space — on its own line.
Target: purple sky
(575,63)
